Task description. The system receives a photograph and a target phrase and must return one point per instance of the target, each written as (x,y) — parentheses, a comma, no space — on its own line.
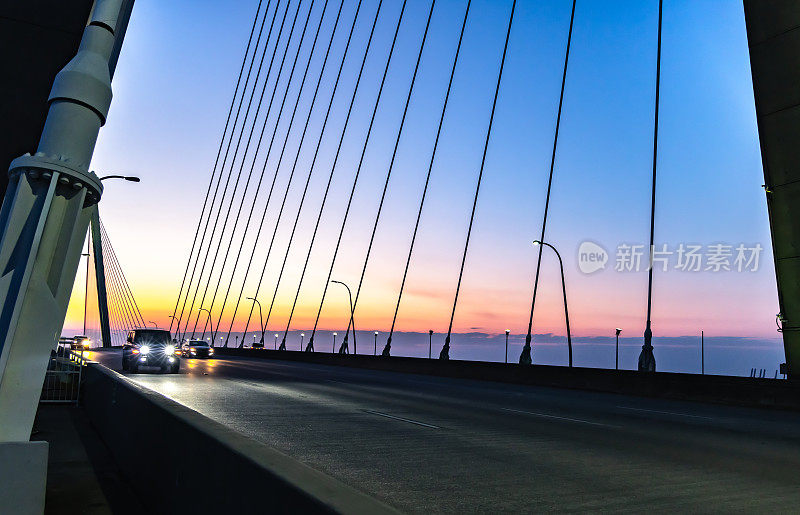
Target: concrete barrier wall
(740,391)
(180,461)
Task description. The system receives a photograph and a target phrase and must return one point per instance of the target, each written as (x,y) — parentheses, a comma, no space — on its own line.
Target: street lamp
(564,290)
(86,290)
(616,358)
(125,177)
(430,342)
(209,323)
(375,350)
(178,328)
(352,321)
(276,341)
(507,331)
(302,337)
(333,350)
(151,322)
(263,329)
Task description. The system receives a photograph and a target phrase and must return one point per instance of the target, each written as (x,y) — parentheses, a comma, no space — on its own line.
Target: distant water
(724,355)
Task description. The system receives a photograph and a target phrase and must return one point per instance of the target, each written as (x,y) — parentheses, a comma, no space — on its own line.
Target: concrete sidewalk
(81,477)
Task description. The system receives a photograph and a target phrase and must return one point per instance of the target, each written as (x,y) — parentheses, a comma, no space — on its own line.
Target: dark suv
(196,349)
(150,348)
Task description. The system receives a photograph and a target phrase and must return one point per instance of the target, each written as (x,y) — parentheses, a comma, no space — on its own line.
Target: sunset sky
(173,88)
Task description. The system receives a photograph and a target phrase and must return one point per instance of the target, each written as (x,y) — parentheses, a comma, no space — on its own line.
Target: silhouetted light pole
(302,337)
(276,341)
(702,353)
(210,324)
(86,289)
(375,350)
(352,320)
(125,177)
(430,342)
(564,290)
(333,349)
(263,329)
(616,354)
(151,322)
(507,331)
(178,330)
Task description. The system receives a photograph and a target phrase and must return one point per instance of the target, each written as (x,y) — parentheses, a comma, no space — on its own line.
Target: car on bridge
(80,342)
(197,349)
(150,348)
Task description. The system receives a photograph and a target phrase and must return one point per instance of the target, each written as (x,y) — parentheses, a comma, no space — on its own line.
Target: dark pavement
(81,476)
(426,444)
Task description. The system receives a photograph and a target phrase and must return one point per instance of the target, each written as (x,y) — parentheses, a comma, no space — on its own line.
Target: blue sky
(173,88)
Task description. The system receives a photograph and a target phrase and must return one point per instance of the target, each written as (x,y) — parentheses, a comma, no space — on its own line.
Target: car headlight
(193,351)
(169,350)
(144,349)
(211,351)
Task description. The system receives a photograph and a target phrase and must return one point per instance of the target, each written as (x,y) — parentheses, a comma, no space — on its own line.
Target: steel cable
(388,347)
(227,151)
(525,357)
(355,183)
(327,188)
(445,352)
(389,172)
(291,175)
(311,167)
(647,362)
(117,296)
(266,158)
(244,157)
(233,160)
(219,153)
(124,282)
(116,284)
(255,156)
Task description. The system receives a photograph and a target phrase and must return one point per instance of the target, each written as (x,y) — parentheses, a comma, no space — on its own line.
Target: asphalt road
(436,445)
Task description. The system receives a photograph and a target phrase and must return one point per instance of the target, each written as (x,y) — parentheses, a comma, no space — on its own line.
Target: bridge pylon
(45,217)
(773,35)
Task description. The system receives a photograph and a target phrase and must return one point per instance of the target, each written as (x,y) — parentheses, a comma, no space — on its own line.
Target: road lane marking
(665,412)
(423,424)
(568,419)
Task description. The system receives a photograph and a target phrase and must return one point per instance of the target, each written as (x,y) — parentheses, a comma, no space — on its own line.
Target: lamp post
(99,267)
(352,321)
(375,350)
(178,330)
(430,342)
(333,349)
(564,290)
(211,325)
(130,178)
(507,331)
(616,354)
(261,319)
(702,353)
(276,341)
(302,337)
(86,289)
(151,322)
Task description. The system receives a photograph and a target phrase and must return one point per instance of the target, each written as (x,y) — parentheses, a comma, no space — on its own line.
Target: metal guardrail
(62,381)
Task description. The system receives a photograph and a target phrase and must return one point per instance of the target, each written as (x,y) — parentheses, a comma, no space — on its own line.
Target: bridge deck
(426,444)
